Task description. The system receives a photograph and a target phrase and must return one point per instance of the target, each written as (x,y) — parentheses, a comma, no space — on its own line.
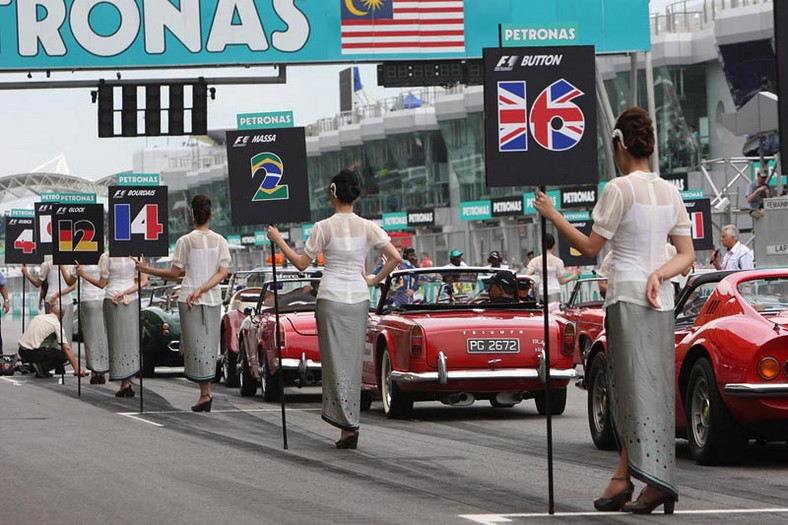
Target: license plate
(493,346)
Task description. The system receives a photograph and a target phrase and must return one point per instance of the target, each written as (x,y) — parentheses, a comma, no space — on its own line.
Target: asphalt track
(96,459)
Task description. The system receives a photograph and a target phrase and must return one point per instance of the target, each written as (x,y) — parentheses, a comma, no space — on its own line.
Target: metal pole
(139,328)
(23,303)
(278,342)
(62,334)
(633,78)
(79,333)
(652,109)
(546,363)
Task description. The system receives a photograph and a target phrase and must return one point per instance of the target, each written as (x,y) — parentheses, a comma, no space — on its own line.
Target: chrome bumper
(757,389)
(295,364)
(174,346)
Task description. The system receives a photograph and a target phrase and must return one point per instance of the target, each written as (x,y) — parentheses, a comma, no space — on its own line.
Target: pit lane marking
(496,519)
(13,381)
(136,415)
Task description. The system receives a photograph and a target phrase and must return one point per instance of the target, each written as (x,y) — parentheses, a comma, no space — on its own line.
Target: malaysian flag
(512,117)
(402,26)
(696,218)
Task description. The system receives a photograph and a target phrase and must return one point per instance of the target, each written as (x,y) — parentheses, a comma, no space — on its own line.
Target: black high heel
(618,501)
(350,442)
(668,501)
(203,406)
(125,392)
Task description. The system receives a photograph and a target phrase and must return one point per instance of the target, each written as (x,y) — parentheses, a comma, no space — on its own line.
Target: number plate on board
(493,346)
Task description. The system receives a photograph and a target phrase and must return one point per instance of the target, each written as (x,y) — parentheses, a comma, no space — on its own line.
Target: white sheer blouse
(200,254)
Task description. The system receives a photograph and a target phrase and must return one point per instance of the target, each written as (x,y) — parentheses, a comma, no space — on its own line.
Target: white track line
(136,418)
(13,381)
(227,411)
(495,519)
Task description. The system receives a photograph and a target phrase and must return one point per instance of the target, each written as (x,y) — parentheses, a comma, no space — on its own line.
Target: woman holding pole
(637,212)
(202,258)
(343,299)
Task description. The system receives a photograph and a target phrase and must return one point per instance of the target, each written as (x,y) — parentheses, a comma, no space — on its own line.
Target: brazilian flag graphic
(273,168)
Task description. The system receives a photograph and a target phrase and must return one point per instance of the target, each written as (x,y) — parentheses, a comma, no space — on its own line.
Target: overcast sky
(38,125)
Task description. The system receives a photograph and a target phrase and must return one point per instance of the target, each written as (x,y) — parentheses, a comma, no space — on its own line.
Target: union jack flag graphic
(556,123)
(696,218)
(512,117)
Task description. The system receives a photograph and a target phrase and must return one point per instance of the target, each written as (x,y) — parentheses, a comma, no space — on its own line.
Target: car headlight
(768,368)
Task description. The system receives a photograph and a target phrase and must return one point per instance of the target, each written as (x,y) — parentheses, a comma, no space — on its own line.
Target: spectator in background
(49,277)
(426,262)
(737,256)
(409,254)
(758,190)
(6,304)
(455,258)
(496,261)
(555,273)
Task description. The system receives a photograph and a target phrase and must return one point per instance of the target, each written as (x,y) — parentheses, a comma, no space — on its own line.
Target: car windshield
(447,287)
(294,294)
(587,294)
(766,295)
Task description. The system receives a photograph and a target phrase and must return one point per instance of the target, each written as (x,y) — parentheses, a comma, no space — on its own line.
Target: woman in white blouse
(636,213)
(202,258)
(343,299)
(121,317)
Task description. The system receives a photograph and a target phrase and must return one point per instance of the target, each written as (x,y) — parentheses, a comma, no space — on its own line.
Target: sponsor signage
(530,197)
(540,104)
(260,238)
(306,230)
(274,119)
(377,220)
(577,216)
(699,211)
(234,240)
(138,219)
(507,207)
(692,194)
(22,213)
(248,239)
(579,196)
(771,249)
(777,203)
(268,177)
(679,180)
(571,256)
(421,218)
(43,211)
(395,221)
(102,34)
(20,241)
(68,198)
(528,35)
(77,233)
(139,179)
(475,210)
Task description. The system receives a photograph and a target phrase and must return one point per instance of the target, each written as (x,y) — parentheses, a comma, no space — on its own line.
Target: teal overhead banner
(91,34)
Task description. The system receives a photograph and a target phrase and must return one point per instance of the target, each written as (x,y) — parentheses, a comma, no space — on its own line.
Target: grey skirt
(94,334)
(200,327)
(641,389)
(341,333)
(123,338)
(68,318)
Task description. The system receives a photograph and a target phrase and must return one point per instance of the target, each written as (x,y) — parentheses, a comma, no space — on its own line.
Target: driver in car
(503,287)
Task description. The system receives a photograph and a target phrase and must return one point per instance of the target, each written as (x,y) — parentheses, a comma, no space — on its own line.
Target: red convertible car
(584,310)
(258,360)
(731,365)
(456,342)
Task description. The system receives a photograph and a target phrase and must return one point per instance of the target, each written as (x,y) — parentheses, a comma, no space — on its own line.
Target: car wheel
(496,404)
(599,422)
(247,382)
(714,436)
(396,403)
(230,365)
(557,401)
(366,400)
(269,383)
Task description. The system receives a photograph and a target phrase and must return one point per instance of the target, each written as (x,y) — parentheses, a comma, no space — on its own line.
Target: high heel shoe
(639,507)
(203,406)
(617,502)
(350,442)
(125,392)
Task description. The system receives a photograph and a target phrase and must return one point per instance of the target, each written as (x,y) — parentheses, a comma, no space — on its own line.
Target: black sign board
(573,257)
(540,107)
(781,59)
(78,233)
(248,239)
(268,177)
(44,226)
(579,196)
(138,221)
(679,180)
(507,206)
(421,217)
(20,241)
(699,211)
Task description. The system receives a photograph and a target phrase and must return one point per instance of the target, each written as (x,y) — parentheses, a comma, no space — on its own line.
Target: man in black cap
(496,261)
(503,287)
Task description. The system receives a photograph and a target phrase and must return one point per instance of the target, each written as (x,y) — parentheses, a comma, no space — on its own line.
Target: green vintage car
(161,328)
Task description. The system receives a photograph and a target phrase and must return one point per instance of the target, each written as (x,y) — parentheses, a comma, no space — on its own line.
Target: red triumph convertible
(258,362)
(584,310)
(456,340)
(731,365)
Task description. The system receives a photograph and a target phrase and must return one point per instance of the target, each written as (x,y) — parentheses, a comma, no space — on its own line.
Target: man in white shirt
(737,257)
(36,346)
